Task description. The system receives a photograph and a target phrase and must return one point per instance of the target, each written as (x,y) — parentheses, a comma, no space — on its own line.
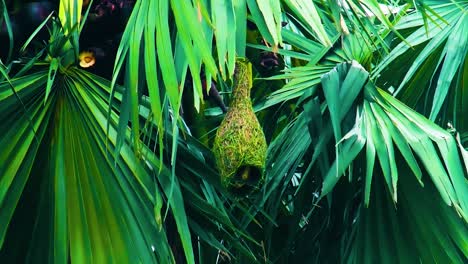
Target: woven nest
(240,146)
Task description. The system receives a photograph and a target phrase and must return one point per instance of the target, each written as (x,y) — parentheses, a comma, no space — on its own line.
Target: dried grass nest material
(240,147)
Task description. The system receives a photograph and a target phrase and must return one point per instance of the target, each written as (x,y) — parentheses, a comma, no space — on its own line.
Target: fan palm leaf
(437,46)
(91,170)
(56,154)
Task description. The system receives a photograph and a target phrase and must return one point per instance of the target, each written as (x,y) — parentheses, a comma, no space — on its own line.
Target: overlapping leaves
(55,161)
(73,187)
(437,45)
(58,160)
(387,151)
(382,122)
(95,200)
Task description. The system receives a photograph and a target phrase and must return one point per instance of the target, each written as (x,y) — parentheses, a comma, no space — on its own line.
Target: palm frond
(57,162)
(5,19)
(368,125)
(91,170)
(408,232)
(383,120)
(437,46)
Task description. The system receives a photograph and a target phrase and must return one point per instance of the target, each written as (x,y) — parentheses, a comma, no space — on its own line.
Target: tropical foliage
(364,116)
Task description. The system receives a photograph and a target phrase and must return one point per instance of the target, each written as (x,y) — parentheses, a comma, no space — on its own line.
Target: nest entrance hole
(246,179)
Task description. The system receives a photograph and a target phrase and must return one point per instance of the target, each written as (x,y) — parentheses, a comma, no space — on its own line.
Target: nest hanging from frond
(240,146)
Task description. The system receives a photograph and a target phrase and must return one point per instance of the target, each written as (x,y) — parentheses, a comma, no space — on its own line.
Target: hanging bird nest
(240,146)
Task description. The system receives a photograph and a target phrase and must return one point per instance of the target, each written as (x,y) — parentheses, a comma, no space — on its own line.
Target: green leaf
(352,145)
(306,12)
(455,53)
(53,68)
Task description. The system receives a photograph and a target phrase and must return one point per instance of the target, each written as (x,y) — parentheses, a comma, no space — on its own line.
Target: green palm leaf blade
(455,52)
(370,154)
(70,17)
(401,143)
(419,132)
(5,18)
(155,16)
(267,17)
(206,206)
(285,154)
(387,121)
(438,46)
(315,51)
(303,79)
(17,139)
(79,184)
(53,68)
(307,13)
(383,148)
(82,181)
(341,87)
(463,151)
(409,233)
(224,21)
(240,16)
(352,146)
(176,188)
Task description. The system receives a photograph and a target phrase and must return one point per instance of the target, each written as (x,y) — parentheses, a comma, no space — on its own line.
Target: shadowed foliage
(352,146)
